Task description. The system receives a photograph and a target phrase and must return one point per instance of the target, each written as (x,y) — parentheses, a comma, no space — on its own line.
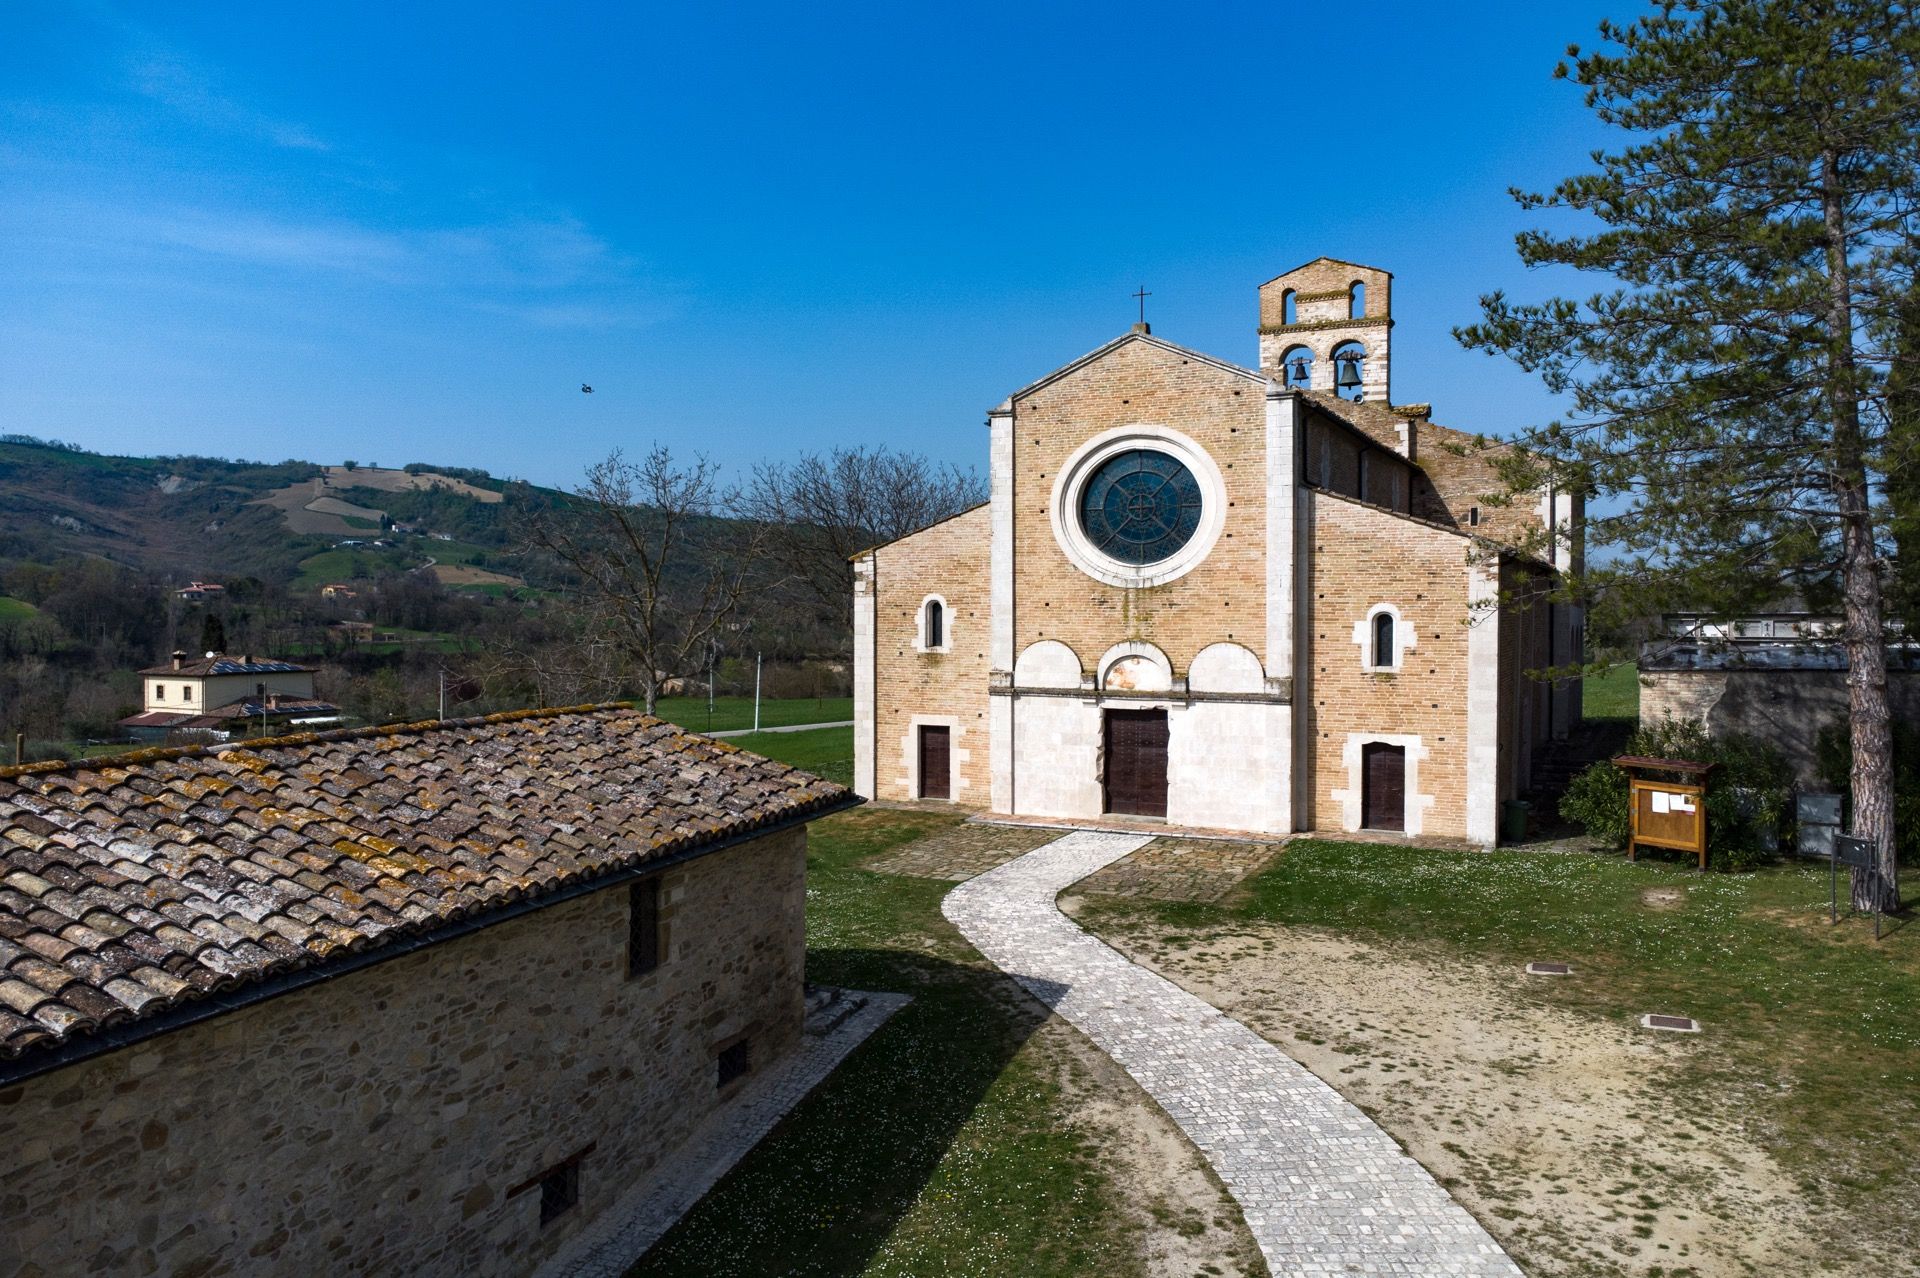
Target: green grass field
(730,713)
(825,752)
(16,609)
(1613,695)
(943,1145)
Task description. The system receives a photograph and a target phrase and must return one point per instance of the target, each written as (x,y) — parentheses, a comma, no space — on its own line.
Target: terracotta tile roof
(133,884)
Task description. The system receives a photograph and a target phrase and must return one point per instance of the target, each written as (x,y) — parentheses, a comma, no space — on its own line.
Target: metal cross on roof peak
(1142,297)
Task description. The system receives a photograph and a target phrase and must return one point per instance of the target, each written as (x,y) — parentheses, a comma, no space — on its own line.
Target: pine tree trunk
(1869,719)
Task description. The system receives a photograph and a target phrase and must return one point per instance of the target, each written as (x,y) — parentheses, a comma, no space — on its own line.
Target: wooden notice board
(1667,804)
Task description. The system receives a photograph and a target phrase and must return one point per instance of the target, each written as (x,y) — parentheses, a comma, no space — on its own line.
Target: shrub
(1833,758)
(1747,802)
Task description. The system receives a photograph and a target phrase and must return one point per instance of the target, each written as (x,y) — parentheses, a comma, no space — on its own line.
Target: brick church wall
(1363,557)
(949,560)
(1224,598)
(377,1122)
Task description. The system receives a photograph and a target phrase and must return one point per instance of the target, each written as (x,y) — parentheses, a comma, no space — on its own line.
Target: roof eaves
(1226,366)
(882,545)
(1337,261)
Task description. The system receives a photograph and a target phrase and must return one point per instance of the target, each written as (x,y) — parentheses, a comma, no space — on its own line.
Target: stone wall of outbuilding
(380,1122)
(1786,708)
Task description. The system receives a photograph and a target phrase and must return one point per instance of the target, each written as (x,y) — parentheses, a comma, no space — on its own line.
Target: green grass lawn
(1815,1030)
(1613,695)
(940,1146)
(737,712)
(825,752)
(16,609)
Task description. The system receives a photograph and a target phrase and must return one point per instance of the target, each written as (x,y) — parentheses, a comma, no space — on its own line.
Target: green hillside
(212,519)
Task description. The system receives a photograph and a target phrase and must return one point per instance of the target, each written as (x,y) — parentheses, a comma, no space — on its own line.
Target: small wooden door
(1136,780)
(1383,786)
(936,763)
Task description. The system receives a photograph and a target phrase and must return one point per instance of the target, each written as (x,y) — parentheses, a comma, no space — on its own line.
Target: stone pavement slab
(621,1235)
(1324,1191)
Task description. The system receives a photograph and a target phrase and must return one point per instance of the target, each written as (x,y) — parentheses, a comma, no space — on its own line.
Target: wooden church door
(936,763)
(1136,780)
(1383,786)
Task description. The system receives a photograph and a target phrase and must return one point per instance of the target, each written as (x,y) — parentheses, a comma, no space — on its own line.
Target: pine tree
(1727,392)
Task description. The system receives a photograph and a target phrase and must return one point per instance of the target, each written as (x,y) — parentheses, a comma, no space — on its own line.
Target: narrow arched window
(1383,639)
(1356,300)
(1288,314)
(936,624)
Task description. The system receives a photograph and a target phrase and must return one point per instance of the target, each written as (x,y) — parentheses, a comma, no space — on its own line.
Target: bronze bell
(1349,377)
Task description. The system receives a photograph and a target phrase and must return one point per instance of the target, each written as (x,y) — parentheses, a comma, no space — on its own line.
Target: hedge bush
(1748,801)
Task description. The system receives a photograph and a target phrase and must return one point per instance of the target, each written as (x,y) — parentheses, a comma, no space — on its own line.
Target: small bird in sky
(585,389)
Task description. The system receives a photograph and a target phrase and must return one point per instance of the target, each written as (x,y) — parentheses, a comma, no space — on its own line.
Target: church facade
(1260,600)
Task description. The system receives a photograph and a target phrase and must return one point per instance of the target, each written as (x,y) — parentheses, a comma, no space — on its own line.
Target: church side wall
(1224,598)
(1364,558)
(914,687)
(387,1121)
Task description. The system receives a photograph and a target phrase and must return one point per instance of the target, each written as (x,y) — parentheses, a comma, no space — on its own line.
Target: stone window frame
(920,625)
(1404,639)
(1064,508)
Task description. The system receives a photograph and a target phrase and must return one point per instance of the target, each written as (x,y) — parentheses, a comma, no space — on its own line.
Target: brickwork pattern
(379,1122)
(1182,869)
(1363,557)
(950,560)
(1142,383)
(1324,1191)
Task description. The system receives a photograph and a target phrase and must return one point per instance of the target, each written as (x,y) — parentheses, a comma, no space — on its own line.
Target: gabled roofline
(882,545)
(1337,261)
(1172,348)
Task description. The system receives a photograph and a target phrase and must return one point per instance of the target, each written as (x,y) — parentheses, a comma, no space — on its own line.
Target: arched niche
(1047,663)
(1135,666)
(1226,667)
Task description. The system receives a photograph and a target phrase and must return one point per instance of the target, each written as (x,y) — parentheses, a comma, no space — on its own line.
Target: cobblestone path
(1324,1191)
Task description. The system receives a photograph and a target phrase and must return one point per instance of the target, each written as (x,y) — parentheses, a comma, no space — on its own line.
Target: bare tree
(658,558)
(830,508)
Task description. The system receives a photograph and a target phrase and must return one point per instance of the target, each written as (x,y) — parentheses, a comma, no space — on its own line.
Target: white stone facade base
(863,678)
(1228,766)
(1057,763)
(1483,706)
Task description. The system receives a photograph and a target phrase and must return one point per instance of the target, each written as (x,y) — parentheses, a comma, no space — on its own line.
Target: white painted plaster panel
(1226,667)
(863,677)
(1047,664)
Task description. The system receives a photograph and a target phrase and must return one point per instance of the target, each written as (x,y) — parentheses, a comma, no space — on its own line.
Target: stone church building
(1256,600)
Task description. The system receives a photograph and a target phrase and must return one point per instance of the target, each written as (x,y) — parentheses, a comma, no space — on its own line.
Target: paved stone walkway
(791,727)
(1324,1191)
(621,1234)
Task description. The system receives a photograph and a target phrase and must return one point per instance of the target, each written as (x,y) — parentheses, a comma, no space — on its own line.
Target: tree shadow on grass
(828,1188)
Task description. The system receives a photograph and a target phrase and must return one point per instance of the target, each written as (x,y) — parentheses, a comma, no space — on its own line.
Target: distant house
(420,1000)
(199,591)
(335,590)
(219,695)
(353,631)
(1778,676)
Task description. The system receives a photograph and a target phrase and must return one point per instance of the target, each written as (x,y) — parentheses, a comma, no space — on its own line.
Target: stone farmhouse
(416,1000)
(219,694)
(1250,599)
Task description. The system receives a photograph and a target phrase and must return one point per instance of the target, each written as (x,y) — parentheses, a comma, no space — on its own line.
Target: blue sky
(409,232)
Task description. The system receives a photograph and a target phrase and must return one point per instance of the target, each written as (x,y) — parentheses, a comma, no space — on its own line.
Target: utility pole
(756,690)
(443,694)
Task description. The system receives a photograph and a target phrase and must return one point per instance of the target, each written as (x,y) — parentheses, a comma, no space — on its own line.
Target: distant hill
(205,518)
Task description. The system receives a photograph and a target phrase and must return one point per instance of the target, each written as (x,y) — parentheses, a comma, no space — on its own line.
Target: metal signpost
(1855,854)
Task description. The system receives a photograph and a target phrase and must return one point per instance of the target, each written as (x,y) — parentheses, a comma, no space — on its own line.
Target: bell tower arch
(1327,326)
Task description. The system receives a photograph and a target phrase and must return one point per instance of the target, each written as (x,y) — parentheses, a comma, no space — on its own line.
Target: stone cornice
(1313,326)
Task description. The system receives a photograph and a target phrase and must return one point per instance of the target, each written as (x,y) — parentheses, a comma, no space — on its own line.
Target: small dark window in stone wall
(1383,639)
(936,624)
(643,926)
(736,1060)
(559,1192)
(1473,516)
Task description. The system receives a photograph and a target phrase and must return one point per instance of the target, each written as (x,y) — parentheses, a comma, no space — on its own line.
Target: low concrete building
(409,1001)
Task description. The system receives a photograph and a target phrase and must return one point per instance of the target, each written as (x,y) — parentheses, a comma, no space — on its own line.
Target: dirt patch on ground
(466,575)
(962,852)
(1560,1132)
(399,481)
(1186,1221)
